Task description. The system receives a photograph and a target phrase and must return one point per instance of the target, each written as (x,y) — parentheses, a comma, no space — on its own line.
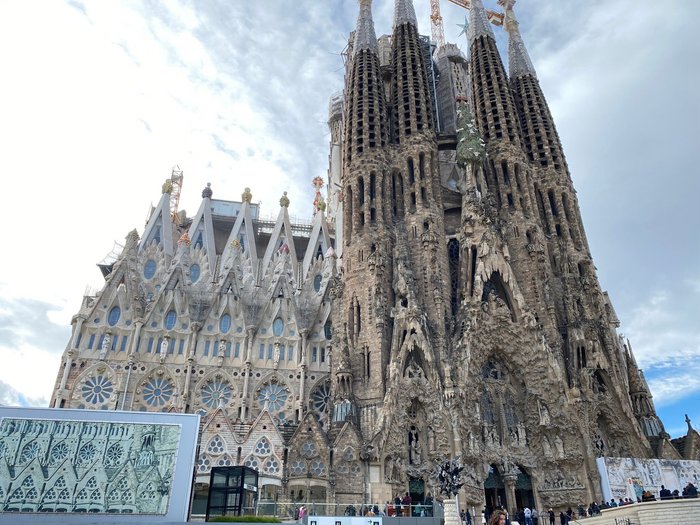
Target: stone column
(509,481)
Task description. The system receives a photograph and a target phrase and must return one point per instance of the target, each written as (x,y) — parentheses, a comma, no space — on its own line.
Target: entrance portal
(416,488)
(494,490)
(524,496)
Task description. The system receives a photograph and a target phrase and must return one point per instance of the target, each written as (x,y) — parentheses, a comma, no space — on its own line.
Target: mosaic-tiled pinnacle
(478,22)
(519,63)
(365,37)
(404,13)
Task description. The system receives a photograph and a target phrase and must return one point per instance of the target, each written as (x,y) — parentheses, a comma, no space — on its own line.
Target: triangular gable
(242,236)
(265,419)
(319,239)
(281,241)
(201,233)
(348,435)
(217,417)
(160,227)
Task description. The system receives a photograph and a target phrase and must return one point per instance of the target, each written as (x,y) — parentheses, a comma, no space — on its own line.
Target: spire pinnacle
(404,13)
(478,22)
(365,37)
(519,63)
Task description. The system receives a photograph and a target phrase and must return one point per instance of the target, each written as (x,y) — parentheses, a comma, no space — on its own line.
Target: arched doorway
(524,497)
(494,490)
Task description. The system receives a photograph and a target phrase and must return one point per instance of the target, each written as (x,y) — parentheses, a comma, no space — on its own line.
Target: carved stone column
(509,481)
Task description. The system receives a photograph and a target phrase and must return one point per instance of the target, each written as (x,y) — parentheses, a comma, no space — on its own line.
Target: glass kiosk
(233,491)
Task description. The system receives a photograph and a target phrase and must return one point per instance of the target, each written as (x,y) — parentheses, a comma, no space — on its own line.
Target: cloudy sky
(100,99)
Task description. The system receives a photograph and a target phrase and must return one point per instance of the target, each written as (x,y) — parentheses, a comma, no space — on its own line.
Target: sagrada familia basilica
(442,302)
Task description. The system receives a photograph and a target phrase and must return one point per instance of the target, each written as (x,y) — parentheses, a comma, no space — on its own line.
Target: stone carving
(414,453)
(122,466)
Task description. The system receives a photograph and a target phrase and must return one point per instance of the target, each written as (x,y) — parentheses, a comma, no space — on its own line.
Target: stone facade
(447,307)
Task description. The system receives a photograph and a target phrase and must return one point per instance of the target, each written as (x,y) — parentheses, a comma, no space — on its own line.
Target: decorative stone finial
(284,201)
(206,192)
(184,239)
(168,186)
(319,202)
(687,421)
(246,196)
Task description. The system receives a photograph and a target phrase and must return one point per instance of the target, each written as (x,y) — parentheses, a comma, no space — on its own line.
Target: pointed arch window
(149,269)
(278,327)
(195,272)
(317,282)
(170,320)
(114,314)
(225,323)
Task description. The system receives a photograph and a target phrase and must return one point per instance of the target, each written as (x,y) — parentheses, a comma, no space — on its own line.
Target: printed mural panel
(95,462)
(629,477)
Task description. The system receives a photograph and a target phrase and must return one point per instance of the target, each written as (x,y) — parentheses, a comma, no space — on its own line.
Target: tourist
(406,502)
(664,493)
(429,505)
(397,505)
(302,513)
(690,491)
(535,517)
(551,517)
(467,517)
(499,517)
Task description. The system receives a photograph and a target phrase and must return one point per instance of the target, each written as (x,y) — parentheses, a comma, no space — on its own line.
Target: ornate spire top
(687,422)
(319,202)
(365,37)
(246,196)
(284,201)
(404,13)
(206,192)
(478,22)
(519,63)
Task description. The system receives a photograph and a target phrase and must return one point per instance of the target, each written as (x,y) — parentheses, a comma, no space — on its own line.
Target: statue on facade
(414,454)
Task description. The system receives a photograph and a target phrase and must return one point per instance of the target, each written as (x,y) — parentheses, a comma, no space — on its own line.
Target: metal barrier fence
(291,509)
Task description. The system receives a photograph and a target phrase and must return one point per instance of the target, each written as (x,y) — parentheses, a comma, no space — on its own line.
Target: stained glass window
(272,465)
(170,320)
(216,445)
(252,462)
(272,397)
(321,398)
(263,448)
(318,468)
(298,468)
(278,327)
(97,389)
(195,272)
(225,323)
(149,269)
(158,391)
(308,449)
(114,314)
(216,393)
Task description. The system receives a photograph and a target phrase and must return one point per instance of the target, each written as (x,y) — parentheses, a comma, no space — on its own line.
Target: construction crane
(176,181)
(436,28)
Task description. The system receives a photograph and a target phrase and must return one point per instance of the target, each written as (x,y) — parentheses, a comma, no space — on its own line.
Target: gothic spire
(366,127)
(365,37)
(519,63)
(404,13)
(478,22)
